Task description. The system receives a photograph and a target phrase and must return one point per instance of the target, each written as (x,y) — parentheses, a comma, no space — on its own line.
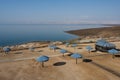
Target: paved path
(19,59)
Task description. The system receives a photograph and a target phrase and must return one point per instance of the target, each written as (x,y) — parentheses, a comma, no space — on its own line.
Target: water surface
(11,34)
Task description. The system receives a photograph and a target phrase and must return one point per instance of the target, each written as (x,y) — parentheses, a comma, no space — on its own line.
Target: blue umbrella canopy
(63,51)
(52,47)
(76,55)
(31,48)
(67,44)
(113,51)
(6,49)
(42,58)
(74,45)
(89,48)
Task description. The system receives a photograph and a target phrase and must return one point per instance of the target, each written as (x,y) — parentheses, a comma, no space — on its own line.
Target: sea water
(12,34)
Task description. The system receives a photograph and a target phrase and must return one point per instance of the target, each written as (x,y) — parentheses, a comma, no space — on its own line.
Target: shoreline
(13,43)
(103,32)
(72,32)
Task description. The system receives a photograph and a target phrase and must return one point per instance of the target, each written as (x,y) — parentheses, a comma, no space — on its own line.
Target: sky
(59,11)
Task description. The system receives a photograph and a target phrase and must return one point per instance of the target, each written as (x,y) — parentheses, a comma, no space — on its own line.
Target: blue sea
(12,34)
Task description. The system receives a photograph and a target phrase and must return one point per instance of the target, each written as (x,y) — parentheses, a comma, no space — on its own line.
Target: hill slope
(98,32)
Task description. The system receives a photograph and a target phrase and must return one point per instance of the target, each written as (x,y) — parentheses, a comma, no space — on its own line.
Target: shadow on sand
(59,63)
(40,51)
(106,68)
(117,55)
(87,60)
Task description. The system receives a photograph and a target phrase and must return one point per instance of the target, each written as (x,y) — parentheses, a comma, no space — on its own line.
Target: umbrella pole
(54,50)
(76,60)
(63,55)
(42,64)
(89,51)
(113,56)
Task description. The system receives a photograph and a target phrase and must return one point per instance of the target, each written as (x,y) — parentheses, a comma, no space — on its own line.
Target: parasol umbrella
(42,59)
(74,46)
(63,51)
(89,48)
(31,48)
(67,44)
(113,52)
(76,56)
(6,49)
(53,47)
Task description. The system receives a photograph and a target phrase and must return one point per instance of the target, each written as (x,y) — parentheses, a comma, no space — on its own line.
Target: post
(63,54)
(76,60)
(42,64)
(113,56)
(89,51)
(53,49)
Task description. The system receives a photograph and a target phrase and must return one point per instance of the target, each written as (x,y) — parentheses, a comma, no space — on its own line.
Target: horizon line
(57,24)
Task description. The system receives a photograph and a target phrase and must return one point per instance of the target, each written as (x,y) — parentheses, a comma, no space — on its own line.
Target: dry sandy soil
(100,67)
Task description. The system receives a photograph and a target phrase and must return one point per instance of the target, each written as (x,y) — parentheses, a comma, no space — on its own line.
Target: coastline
(92,37)
(103,32)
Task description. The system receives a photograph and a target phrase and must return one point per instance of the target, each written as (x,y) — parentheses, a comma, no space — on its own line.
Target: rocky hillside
(104,32)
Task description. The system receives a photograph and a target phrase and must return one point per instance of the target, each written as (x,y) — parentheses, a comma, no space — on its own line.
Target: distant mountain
(104,32)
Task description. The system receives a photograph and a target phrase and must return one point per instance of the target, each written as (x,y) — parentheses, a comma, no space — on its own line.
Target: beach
(21,64)
(59,39)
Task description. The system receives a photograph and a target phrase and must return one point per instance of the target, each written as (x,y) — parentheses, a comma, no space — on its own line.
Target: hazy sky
(59,11)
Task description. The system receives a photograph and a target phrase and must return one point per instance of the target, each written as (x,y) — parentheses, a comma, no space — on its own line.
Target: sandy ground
(100,67)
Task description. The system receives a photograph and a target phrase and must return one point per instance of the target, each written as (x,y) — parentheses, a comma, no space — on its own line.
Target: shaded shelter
(104,46)
(74,46)
(67,44)
(42,59)
(76,56)
(113,52)
(6,49)
(63,51)
(31,48)
(89,48)
(53,47)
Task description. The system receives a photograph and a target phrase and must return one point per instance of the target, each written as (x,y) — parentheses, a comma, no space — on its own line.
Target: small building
(103,45)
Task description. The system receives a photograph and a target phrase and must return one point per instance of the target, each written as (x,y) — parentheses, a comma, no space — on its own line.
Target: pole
(42,64)
(76,60)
